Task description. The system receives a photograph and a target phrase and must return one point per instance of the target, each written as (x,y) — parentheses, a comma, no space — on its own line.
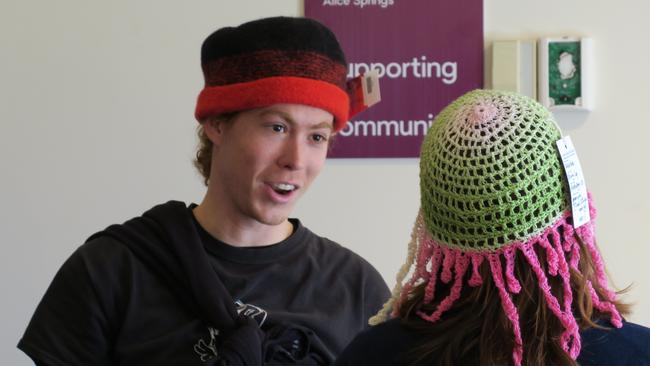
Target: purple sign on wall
(427,53)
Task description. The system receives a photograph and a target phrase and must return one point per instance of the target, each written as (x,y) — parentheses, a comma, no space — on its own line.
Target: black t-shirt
(112,304)
(389,343)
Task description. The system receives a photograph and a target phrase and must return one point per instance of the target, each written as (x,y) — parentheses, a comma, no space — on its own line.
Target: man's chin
(272,216)
(274,219)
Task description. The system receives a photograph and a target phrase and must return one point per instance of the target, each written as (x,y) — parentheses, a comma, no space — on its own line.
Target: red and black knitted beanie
(273,60)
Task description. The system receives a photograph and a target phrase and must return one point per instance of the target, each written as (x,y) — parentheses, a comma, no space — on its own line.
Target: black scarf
(166,240)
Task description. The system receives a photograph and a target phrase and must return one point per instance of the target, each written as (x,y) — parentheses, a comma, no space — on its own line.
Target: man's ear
(214,129)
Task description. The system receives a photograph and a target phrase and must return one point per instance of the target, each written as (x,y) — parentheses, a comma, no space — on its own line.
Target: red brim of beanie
(216,100)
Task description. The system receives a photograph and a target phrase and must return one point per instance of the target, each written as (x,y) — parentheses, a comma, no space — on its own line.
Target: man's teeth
(285,187)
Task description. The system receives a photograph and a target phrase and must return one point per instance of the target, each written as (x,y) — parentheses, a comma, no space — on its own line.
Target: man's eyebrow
(287,117)
(274,112)
(324,124)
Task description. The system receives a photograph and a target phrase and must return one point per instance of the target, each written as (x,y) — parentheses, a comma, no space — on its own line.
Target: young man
(231,281)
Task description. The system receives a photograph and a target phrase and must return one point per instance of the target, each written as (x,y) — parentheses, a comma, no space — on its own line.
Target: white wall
(96,126)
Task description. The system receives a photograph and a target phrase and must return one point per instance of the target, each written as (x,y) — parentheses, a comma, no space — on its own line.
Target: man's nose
(293,154)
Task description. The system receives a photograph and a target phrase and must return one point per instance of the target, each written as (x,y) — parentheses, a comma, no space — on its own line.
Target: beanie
(492,183)
(274,60)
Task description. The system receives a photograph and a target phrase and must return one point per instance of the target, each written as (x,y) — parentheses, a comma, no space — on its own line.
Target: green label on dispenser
(564,72)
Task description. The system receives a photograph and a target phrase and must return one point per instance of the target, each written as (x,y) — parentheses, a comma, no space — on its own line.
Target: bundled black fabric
(169,249)
(288,344)
(242,345)
(280,345)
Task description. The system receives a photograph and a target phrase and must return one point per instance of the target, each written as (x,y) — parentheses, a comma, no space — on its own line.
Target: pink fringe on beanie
(437,261)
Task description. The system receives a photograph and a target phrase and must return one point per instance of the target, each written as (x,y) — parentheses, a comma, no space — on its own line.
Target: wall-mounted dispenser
(565,73)
(555,71)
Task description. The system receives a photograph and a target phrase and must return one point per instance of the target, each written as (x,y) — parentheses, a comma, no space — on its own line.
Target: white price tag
(576,180)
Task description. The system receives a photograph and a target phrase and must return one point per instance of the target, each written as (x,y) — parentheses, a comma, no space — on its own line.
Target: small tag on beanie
(576,180)
(364,91)
(371,94)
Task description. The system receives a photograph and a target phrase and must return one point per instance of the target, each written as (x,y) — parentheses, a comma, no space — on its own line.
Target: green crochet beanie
(493,188)
(489,171)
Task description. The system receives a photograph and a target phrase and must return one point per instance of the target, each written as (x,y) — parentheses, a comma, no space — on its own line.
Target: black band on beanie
(277,33)
(270,63)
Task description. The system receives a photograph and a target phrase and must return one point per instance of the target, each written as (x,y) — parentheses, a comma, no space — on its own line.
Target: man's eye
(319,138)
(278,128)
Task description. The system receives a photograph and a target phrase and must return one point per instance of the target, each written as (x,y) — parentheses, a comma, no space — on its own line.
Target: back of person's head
(270,61)
(499,273)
